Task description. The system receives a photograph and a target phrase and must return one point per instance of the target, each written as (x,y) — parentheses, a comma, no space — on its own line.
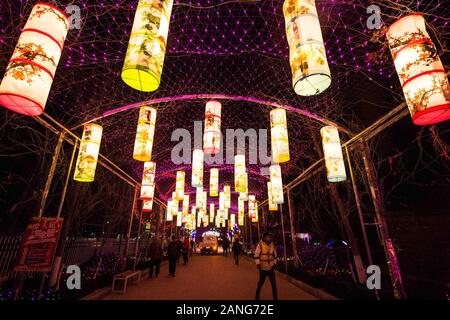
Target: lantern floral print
(145,132)
(88,154)
(279,136)
(212,134)
(332,150)
(420,70)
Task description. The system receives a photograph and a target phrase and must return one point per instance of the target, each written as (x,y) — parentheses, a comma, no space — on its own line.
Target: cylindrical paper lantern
(148,185)
(227,196)
(243,195)
(240,184)
(241,207)
(143,144)
(212,134)
(232,222)
(179,219)
(256,215)
(199,197)
(179,185)
(169,209)
(211,212)
(241,221)
(204,200)
(251,206)
(147,205)
(88,154)
(279,136)
(221,201)
(144,59)
(420,70)
(185,205)
(332,151)
(29,75)
(197,168)
(272,206)
(310,71)
(277,184)
(214,182)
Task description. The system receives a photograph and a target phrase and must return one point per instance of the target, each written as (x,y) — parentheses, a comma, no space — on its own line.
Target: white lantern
(148,185)
(255,217)
(179,185)
(88,154)
(310,71)
(211,212)
(251,206)
(277,184)
(197,168)
(214,182)
(29,75)
(420,70)
(169,209)
(199,197)
(332,151)
(272,206)
(240,175)
(212,134)
(144,59)
(204,200)
(147,205)
(179,219)
(279,136)
(185,205)
(145,132)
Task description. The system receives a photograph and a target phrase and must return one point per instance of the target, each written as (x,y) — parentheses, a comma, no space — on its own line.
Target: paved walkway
(209,278)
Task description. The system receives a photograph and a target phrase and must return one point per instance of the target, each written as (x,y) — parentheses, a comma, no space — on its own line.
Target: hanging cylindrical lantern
(232,222)
(148,186)
(279,136)
(169,209)
(239,173)
(332,151)
(144,59)
(179,185)
(199,197)
(29,75)
(148,175)
(214,182)
(147,205)
(310,71)
(143,144)
(212,134)
(243,195)
(211,212)
(147,192)
(175,204)
(251,206)
(221,201)
(272,206)
(227,196)
(421,73)
(241,207)
(88,154)
(185,209)
(255,217)
(277,184)
(179,219)
(197,168)
(204,201)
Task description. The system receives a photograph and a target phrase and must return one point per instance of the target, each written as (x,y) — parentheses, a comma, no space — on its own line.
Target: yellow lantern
(272,206)
(179,219)
(241,207)
(255,217)
(143,144)
(29,75)
(199,197)
(197,168)
(88,154)
(144,59)
(148,184)
(227,196)
(239,173)
(279,136)
(332,151)
(212,134)
(277,184)
(169,209)
(221,201)
(243,196)
(179,185)
(185,205)
(214,182)
(421,73)
(251,206)
(310,71)
(211,212)
(232,222)
(204,200)
(148,176)
(175,205)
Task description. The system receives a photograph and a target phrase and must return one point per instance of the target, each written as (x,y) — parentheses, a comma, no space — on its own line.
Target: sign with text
(38,245)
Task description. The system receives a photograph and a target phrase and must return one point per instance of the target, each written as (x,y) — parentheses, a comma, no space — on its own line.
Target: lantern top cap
(55,8)
(403,18)
(92,124)
(214,101)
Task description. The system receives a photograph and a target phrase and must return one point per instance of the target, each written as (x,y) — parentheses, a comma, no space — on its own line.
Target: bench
(134,276)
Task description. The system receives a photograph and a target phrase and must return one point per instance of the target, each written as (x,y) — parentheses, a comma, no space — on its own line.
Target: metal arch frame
(219,96)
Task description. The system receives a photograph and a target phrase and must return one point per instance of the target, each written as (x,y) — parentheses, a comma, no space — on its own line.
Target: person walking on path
(192,247)
(155,253)
(225,245)
(180,248)
(266,259)
(185,250)
(173,252)
(237,249)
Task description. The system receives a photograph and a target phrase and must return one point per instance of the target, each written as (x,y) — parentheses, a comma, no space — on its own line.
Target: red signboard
(38,245)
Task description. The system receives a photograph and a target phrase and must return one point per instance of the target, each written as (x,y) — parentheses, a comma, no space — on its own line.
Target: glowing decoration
(212,135)
(179,219)
(185,209)
(211,212)
(241,220)
(310,71)
(144,59)
(147,192)
(421,73)
(147,205)
(88,154)
(29,75)
(190,222)
(255,217)
(332,150)
(148,186)
(214,182)
(169,216)
(279,136)
(143,144)
(221,201)
(239,173)
(175,205)
(277,184)
(243,196)
(227,196)
(204,200)
(197,168)
(179,185)
(241,207)
(251,206)
(232,222)
(148,176)
(272,206)
(199,197)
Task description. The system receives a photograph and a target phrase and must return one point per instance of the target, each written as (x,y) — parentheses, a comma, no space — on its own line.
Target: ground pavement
(209,278)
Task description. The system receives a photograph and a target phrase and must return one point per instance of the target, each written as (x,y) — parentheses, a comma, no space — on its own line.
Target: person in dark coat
(155,252)
(180,248)
(173,252)
(225,245)
(186,249)
(237,249)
